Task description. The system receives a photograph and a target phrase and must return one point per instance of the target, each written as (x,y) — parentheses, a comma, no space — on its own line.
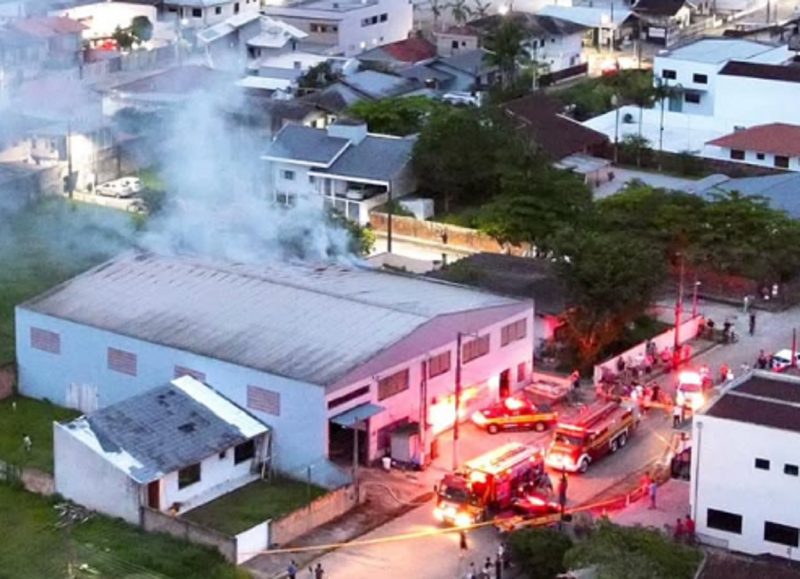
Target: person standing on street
(679,531)
(689,527)
(677,415)
(498,567)
(319,573)
(752,323)
(653,491)
(291,570)
(462,542)
(562,491)
(762,361)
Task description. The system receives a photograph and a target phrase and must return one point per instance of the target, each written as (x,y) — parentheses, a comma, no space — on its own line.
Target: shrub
(540,552)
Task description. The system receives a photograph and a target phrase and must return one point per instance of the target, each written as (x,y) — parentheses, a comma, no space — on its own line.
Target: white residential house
(342,166)
(746,466)
(775,145)
(553,43)
(719,85)
(204,13)
(347,27)
(172,448)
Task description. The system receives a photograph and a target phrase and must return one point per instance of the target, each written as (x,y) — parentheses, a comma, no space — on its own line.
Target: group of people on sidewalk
(492,568)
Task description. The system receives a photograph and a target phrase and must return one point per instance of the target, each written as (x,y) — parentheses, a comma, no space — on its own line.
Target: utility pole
(70,187)
(615,103)
(389,221)
(676,349)
(459,340)
(535,65)
(694,297)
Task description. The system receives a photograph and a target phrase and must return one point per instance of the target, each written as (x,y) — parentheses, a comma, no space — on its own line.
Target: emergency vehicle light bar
(503,458)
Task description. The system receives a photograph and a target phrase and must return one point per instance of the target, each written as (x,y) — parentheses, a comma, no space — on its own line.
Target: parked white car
(463,98)
(783,359)
(124,187)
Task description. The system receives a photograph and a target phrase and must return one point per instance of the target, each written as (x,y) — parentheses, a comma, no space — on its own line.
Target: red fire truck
(595,431)
(487,483)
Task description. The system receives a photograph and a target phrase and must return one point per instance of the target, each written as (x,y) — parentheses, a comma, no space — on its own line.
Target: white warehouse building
(307,349)
(746,466)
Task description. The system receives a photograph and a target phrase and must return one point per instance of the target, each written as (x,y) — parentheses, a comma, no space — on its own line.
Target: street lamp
(615,103)
(459,342)
(676,348)
(697,285)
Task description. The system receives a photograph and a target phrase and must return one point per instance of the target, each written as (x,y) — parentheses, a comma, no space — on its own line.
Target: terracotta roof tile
(410,50)
(762,71)
(774,138)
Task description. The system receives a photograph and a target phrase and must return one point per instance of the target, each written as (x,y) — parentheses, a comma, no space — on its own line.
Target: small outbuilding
(171,448)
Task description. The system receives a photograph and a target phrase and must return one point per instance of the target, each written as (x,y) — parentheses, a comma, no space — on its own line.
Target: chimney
(352,130)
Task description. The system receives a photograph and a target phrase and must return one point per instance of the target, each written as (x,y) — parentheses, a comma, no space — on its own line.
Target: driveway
(623,176)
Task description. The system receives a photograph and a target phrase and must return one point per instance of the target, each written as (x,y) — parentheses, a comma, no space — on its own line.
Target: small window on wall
(236,8)
(188,476)
(762,464)
(45,340)
(197,13)
(724,521)
(760,156)
(692,97)
(475,349)
(439,364)
(737,154)
(264,400)
(121,361)
(218,10)
(513,332)
(666,73)
(244,451)
(287,175)
(394,384)
(790,469)
(781,534)
(781,161)
(700,78)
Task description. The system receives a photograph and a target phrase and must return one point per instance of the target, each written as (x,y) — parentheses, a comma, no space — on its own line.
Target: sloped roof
(308,322)
(658,7)
(165,429)
(376,158)
(179,80)
(406,51)
(782,191)
(557,135)
(773,138)
(762,71)
(378,85)
(306,144)
(534,24)
(590,16)
(472,62)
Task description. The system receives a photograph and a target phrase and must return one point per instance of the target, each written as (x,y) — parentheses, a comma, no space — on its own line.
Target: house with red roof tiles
(774,145)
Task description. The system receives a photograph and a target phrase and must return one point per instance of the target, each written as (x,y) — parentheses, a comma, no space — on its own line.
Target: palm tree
(481,9)
(505,46)
(461,12)
(437,9)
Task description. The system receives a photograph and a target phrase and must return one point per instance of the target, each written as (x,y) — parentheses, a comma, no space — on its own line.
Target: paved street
(437,556)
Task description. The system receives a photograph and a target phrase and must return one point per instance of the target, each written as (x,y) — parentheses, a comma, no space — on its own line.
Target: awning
(354,415)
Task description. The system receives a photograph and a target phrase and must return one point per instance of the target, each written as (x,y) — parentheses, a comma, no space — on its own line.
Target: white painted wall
(750,158)
(210,15)
(85,477)
(218,476)
(251,542)
(724,477)
(103,18)
(483,373)
(351,38)
(684,73)
(300,434)
(560,52)
(751,101)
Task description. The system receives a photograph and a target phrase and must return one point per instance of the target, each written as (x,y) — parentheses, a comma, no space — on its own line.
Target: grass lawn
(34,418)
(254,504)
(48,243)
(109,548)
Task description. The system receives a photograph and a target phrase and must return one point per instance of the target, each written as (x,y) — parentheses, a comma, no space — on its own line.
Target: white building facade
(746,467)
(204,13)
(348,27)
(298,347)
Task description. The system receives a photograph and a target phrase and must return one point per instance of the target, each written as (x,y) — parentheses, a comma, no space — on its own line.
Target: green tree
(318,76)
(633,553)
(141,28)
(396,116)
(505,49)
(457,152)
(535,201)
(123,38)
(460,11)
(611,278)
(480,9)
(539,553)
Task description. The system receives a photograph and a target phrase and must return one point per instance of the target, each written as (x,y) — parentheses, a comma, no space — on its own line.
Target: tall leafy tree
(397,116)
(457,152)
(505,46)
(460,10)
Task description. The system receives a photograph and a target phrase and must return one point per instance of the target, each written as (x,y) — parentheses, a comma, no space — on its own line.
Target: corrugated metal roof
(306,144)
(376,158)
(312,324)
(165,429)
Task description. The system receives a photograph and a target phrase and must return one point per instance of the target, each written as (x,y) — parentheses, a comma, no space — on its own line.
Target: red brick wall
(430,231)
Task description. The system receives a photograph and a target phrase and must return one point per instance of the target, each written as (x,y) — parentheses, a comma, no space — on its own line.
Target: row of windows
(780,161)
(393,384)
(474,349)
(323,28)
(790,469)
(696,77)
(127,363)
(732,523)
(375,19)
(193,473)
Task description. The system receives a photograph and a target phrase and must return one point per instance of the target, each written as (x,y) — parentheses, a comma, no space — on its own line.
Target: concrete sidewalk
(672,502)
